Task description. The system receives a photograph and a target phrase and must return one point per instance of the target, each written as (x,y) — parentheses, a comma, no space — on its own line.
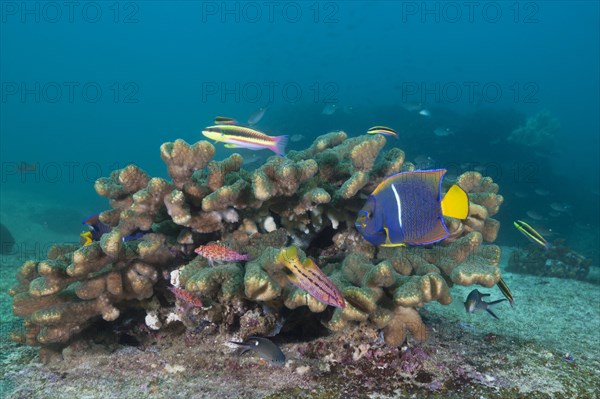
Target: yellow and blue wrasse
(224,120)
(386,131)
(308,277)
(505,291)
(408,208)
(531,234)
(234,136)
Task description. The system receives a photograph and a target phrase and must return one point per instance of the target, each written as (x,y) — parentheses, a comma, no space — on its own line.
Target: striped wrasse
(234,136)
(531,234)
(308,277)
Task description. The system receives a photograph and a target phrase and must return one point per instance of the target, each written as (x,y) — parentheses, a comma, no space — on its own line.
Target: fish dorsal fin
(309,264)
(455,203)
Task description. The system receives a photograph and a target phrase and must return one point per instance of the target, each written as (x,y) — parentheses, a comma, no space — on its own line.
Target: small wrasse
(187,297)
(531,234)
(386,131)
(234,136)
(224,120)
(308,277)
(219,253)
(505,291)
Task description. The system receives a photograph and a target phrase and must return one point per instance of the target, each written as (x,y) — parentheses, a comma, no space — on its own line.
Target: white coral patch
(152,320)
(269,224)
(230,215)
(334,222)
(171,317)
(175,278)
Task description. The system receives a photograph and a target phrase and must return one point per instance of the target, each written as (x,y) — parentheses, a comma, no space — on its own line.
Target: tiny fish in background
(308,277)
(224,120)
(257,115)
(475,302)
(187,297)
(329,109)
(424,112)
(234,136)
(535,215)
(219,253)
(384,130)
(264,348)
(443,132)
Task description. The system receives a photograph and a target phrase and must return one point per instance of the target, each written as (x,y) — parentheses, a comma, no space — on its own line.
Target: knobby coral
(309,196)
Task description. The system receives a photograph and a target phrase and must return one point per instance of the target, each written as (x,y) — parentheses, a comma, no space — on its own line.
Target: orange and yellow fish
(308,277)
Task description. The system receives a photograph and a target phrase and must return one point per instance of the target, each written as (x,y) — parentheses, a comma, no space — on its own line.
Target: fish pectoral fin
(388,242)
(244,351)
(455,203)
(231,146)
(294,280)
(393,245)
(310,264)
(492,313)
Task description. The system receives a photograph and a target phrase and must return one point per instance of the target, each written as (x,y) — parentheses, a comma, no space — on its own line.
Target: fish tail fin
(280,144)
(286,255)
(455,203)
(493,314)
(86,238)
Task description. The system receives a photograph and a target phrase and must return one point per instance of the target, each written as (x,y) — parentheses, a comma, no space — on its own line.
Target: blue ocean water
(88,87)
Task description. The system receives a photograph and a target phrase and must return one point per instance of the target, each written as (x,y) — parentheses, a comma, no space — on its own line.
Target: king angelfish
(408,208)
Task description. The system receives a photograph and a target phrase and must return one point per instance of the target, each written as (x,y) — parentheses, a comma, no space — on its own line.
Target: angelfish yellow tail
(455,203)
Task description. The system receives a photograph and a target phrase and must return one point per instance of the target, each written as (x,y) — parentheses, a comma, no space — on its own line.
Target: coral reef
(538,132)
(558,261)
(308,197)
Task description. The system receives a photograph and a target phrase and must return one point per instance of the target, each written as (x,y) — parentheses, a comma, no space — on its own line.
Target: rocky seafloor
(522,355)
